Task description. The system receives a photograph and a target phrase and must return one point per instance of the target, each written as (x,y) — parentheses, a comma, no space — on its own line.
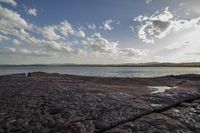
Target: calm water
(106,71)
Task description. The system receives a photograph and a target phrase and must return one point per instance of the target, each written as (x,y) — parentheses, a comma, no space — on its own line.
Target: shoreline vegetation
(151,64)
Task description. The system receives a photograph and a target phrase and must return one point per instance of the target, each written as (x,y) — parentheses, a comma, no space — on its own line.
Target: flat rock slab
(46,102)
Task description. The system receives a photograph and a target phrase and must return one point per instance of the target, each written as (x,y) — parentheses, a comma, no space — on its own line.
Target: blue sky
(99,31)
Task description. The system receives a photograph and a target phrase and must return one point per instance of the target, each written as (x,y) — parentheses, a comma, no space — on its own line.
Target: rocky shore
(46,102)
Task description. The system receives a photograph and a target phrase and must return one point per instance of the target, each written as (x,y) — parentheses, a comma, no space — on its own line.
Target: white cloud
(158,58)
(66,29)
(177,46)
(148,1)
(2,37)
(12,24)
(11,2)
(79,33)
(58,46)
(181,4)
(92,26)
(22,51)
(60,31)
(196,53)
(160,24)
(132,52)
(99,44)
(14,28)
(49,45)
(107,25)
(12,19)
(32,11)
(49,32)
(7,50)
(16,42)
(54,41)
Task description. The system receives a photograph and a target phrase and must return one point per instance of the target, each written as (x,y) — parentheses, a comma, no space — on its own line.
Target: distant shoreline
(109,65)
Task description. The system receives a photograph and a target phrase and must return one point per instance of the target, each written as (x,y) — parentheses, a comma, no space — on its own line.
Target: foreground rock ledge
(74,104)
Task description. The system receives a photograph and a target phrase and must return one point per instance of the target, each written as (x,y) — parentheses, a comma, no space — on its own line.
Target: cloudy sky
(99,31)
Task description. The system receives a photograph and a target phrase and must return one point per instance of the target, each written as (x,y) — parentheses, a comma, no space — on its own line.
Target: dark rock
(48,122)
(55,110)
(74,104)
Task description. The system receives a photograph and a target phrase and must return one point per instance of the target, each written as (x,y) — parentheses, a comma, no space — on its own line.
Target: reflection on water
(156,105)
(160,89)
(106,71)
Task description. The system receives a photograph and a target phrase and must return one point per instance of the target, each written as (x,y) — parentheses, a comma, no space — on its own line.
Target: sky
(99,31)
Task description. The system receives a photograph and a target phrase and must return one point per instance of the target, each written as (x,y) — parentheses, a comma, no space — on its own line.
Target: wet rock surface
(65,103)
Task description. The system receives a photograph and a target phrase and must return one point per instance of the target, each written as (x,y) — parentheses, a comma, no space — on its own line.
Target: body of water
(105,71)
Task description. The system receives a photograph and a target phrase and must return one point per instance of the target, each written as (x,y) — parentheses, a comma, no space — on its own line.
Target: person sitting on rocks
(29,74)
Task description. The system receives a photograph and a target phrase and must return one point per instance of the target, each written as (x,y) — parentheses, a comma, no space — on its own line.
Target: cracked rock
(46,102)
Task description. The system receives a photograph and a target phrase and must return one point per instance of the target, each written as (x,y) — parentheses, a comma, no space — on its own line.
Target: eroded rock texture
(72,104)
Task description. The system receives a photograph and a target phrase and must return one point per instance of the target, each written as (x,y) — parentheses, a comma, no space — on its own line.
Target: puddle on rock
(160,89)
(156,105)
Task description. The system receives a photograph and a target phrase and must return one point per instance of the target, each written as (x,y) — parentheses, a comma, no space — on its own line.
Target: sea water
(104,71)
